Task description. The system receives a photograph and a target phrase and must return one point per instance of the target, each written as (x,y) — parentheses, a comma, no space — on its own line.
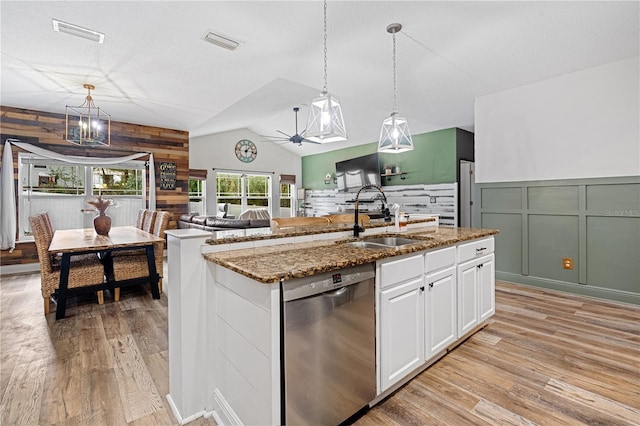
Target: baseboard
(581,289)
(19,269)
(223,414)
(186,420)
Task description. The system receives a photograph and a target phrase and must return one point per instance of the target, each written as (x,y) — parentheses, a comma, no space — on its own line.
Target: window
(63,189)
(110,182)
(286,200)
(197,201)
(243,191)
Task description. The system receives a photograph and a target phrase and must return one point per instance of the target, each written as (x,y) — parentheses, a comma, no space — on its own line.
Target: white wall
(580,125)
(218,151)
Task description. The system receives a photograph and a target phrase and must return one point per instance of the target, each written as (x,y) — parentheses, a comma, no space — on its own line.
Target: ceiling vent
(77,31)
(221,41)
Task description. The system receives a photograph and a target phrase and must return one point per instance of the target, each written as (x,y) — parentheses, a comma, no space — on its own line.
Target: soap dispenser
(395,208)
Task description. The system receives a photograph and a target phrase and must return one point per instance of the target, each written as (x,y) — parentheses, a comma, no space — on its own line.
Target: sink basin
(391,241)
(383,242)
(366,244)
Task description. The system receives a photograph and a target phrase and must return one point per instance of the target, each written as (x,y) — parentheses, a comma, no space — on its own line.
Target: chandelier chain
(325,46)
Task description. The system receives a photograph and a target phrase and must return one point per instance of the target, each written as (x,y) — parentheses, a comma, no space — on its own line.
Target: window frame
(243,195)
(26,161)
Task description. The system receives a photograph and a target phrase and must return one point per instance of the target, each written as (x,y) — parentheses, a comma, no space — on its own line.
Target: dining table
(70,242)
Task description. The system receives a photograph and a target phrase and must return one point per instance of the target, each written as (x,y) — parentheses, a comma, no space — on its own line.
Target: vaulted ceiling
(154,68)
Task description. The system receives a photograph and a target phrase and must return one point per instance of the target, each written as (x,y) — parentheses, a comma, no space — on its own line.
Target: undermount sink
(366,244)
(391,241)
(383,242)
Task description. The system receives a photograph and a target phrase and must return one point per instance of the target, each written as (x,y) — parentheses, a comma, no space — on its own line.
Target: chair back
(149,220)
(162,221)
(48,224)
(140,218)
(42,237)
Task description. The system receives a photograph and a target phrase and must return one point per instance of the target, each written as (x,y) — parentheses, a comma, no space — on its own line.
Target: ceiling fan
(296,138)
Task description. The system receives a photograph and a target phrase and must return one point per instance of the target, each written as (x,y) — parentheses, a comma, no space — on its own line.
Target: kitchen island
(225,314)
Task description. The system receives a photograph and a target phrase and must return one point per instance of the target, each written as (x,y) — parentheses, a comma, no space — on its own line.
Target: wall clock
(246,151)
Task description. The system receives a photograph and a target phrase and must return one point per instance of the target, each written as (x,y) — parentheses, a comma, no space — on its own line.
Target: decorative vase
(102,224)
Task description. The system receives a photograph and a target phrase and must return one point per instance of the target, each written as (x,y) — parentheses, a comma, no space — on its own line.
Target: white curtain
(8,197)
(7,187)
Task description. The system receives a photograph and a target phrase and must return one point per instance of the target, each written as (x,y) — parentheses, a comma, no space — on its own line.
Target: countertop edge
(244,260)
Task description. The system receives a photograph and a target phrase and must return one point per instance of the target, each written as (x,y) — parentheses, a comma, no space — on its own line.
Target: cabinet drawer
(396,271)
(475,249)
(438,259)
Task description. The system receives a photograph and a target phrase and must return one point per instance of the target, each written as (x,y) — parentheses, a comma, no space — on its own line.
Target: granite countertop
(288,261)
(298,231)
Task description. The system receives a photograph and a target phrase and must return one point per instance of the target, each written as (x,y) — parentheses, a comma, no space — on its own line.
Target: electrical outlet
(567,263)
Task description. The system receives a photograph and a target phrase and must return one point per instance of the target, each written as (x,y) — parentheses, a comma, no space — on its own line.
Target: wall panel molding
(595,222)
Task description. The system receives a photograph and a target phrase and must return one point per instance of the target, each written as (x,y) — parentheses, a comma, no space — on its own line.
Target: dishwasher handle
(335,293)
(328,282)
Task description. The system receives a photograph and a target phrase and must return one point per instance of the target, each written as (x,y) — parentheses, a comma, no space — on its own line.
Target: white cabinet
(476,292)
(440,311)
(426,302)
(440,300)
(401,331)
(487,286)
(401,319)
(467,296)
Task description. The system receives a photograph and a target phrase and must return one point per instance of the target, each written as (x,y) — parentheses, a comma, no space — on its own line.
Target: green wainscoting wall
(595,222)
(433,160)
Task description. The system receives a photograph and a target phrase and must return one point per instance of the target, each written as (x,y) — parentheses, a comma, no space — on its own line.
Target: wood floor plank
(21,402)
(622,412)
(546,358)
(138,393)
(495,414)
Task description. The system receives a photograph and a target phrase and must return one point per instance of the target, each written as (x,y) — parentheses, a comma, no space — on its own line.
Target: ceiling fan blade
(288,136)
(274,138)
(309,141)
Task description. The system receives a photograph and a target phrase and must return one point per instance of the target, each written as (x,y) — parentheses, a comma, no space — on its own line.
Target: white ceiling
(155,69)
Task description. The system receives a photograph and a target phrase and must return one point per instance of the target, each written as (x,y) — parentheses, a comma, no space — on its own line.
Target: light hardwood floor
(546,358)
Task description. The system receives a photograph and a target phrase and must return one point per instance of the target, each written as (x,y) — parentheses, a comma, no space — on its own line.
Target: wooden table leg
(64,284)
(154,278)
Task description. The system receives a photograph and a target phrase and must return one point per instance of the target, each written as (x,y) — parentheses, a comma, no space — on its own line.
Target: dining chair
(149,220)
(140,218)
(133,263)
(84,271)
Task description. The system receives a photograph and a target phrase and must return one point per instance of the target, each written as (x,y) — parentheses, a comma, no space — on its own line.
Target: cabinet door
(467,296)
(401,330)
(487,286)
(440,313)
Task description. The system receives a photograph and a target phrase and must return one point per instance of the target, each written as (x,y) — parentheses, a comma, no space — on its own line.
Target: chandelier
(395,136)
(325,122)
(87,124)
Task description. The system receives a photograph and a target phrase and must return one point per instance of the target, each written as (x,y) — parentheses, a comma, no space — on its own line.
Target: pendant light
(87,124)
(325,122)
(395,136)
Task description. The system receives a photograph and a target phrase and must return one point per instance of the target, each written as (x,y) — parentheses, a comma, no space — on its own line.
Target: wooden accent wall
(47,130)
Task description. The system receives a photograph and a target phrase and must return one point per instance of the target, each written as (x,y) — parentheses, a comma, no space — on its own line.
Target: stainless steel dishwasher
(328,346)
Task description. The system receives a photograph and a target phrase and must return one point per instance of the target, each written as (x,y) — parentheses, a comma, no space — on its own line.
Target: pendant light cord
(394,71)
(325,46)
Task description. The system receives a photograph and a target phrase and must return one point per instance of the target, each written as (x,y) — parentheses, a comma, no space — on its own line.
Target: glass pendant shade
(87,124)
(395,136)
(325,123)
